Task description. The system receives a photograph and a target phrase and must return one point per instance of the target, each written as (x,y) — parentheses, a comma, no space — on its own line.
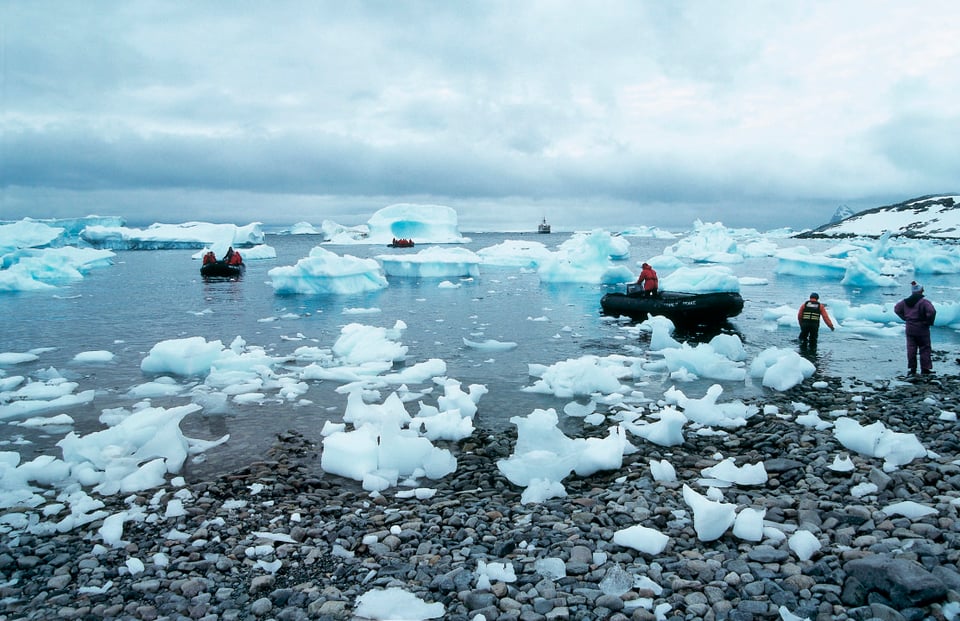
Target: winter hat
(645,265)
(814,296)
(916,287)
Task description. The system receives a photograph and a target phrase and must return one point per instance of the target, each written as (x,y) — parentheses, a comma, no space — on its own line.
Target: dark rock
(903,581)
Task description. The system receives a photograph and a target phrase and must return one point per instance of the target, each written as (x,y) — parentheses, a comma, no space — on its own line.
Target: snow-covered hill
(933,216)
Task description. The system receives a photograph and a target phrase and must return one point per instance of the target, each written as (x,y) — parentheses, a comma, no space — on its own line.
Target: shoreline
(334,542)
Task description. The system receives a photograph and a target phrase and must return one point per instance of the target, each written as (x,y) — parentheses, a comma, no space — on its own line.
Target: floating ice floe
(713,279)
(38,269)
(28,234)
(303,228)
(514,253)
(589,258)
(326,272)
(166,236)
(433,262)
(708,242)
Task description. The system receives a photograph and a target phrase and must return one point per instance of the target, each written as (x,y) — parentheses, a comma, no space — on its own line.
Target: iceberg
(514,253)
(33,269)
(432,263)
(588,258)
(800,262)
(68,230)
(27,234)
(701,280)
(303,228)
(336,233)
(435,224)
(166,236)
(326,272)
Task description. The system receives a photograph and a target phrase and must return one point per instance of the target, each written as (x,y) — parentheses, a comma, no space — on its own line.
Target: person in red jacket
(648,279)
(809,317)
(232,257)
(209,257)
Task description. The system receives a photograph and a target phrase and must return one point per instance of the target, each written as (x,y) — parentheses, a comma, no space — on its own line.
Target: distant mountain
(843,212)
(934,216)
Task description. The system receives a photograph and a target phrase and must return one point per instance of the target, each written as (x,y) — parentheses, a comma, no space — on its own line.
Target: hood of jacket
(913,299)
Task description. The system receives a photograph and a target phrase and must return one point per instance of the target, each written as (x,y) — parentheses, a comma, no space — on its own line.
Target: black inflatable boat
(680,308)
(219,269)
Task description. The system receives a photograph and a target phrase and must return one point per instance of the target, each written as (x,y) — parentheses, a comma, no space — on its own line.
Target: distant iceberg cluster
(45,254)
(217,237)
(33,257)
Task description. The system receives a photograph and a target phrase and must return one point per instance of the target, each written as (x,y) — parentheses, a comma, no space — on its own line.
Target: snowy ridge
(934,216)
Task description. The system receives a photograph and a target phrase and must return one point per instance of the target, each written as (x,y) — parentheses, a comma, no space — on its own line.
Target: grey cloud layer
(736,109)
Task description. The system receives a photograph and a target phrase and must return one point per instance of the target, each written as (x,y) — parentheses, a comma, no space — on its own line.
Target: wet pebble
(336,542)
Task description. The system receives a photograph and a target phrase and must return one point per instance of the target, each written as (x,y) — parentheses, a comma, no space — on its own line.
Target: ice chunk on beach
(395,603)
(875,440)
(646,540)
(711,519)
(781,369)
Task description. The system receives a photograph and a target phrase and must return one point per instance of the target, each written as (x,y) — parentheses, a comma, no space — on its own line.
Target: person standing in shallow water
(809,319)
(918,313)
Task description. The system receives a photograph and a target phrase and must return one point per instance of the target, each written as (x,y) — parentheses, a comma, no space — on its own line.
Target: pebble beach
(280,539)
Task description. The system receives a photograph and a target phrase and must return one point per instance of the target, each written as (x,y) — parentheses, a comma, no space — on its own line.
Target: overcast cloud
(605,113)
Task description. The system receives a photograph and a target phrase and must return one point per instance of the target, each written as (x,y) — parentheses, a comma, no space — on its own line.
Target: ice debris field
(395,422)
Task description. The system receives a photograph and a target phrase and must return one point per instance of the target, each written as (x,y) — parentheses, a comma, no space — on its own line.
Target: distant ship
(543,227)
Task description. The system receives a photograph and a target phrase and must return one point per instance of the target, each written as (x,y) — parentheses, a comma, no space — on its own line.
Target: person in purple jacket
(918,313)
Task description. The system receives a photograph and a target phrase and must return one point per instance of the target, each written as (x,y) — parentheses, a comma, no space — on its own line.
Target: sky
(589,114)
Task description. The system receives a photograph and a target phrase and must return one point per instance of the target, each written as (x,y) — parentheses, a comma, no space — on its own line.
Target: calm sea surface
(151,296)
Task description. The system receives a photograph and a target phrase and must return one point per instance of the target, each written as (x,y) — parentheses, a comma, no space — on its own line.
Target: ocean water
(151,296)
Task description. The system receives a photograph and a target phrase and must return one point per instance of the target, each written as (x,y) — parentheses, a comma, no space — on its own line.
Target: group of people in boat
(401,242)
(231,258)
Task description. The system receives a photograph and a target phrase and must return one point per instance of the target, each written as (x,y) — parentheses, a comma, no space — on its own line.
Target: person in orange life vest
(919,314)
(648,279)
(209,257)
(232,257)
(809,319)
